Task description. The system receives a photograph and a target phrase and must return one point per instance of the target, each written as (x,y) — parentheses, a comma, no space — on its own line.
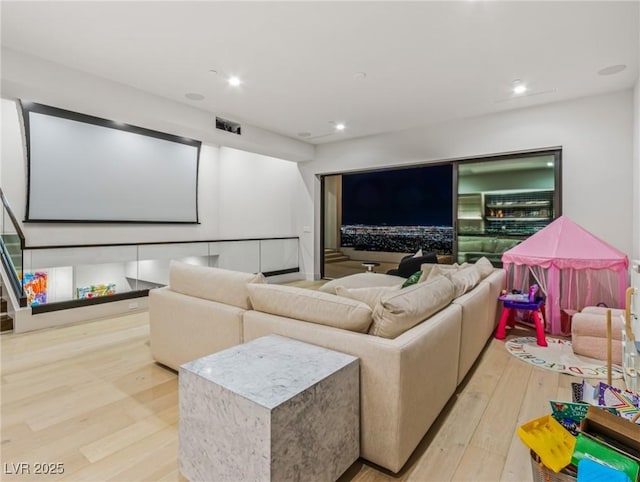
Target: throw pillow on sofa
(413,279)
(370,296)
(214,284)
(401,311)
(312,306)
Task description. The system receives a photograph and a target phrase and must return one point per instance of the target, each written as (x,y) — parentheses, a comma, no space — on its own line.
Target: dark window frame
(555,151)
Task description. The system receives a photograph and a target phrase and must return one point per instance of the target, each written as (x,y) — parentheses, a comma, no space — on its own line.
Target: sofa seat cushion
(369,296)
(310,305)
(362,280)
(402,310)
(214,284)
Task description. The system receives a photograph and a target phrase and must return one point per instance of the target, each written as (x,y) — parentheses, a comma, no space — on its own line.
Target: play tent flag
(573,267)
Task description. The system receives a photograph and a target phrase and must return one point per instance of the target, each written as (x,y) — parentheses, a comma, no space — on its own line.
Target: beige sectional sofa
(404,381)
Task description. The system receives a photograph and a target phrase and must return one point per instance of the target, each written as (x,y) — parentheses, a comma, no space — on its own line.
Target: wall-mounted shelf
(517,218)
(530,204)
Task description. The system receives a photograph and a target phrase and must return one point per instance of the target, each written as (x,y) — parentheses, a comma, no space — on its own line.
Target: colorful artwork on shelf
(35,287)
(95,291)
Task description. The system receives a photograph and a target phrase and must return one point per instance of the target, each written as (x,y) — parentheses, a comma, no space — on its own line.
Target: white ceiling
(425,62)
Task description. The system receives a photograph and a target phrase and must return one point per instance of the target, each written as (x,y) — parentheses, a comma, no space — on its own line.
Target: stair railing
(12,245)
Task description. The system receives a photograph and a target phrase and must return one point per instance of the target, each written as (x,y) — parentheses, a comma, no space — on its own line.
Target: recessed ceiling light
(518,87)
(549,164)
(612,69)
(194,96)
(340,126)
(234,81)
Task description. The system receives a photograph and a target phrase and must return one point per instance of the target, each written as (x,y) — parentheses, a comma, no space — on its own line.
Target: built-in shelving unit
(518,213)
(470,214)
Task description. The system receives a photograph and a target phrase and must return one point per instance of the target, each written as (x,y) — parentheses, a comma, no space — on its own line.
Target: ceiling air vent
(228,126)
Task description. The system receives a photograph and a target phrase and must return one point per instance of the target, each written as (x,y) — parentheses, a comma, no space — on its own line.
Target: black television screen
(87,169)
(400,210)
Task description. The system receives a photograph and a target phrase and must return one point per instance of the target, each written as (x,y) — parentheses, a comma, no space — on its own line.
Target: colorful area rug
(559,357)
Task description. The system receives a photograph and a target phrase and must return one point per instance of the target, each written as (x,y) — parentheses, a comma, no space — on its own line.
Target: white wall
(595,134)
(256,195)
(635,210)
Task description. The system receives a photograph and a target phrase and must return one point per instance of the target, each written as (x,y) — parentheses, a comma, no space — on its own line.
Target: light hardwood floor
(90,397)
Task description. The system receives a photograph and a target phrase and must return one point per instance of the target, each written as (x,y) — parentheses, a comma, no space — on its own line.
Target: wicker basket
(544,474)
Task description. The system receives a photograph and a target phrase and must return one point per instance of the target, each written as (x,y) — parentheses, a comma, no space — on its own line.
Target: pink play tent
(573,268)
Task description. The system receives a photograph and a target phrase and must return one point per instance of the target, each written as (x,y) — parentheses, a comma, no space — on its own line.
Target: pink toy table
(512,303)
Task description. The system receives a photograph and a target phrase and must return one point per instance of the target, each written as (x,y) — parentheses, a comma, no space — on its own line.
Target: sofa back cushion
(503,245)
(214,284)
(362,280)
(485,268)
(402,310)
(426,269)
(471,245)
(489,245)
(464,279)
(370,296)
(309,305)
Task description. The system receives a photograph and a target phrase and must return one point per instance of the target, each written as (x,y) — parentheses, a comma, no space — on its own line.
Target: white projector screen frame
(84,169)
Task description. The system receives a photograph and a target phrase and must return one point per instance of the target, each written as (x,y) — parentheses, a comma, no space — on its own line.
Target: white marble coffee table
(271,409)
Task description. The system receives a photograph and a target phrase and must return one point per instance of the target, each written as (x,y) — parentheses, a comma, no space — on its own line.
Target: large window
(381,215)
(401,210)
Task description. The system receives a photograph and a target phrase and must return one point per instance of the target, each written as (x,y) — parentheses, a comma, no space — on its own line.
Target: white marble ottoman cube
(271,409)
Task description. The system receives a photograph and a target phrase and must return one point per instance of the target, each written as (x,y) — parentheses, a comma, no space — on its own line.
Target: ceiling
(425,62)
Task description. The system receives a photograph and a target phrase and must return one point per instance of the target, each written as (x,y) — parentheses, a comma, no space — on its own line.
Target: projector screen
(86,169)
